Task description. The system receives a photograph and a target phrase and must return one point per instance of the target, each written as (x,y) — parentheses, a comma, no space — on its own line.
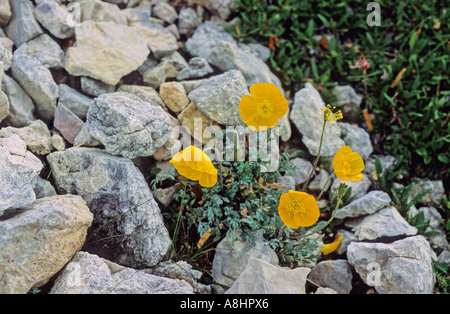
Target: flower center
(295,207)
(329,115)
(346,168)
(265,108)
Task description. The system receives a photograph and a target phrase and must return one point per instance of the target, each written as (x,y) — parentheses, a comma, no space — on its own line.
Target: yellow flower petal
(298,209)
(348,164)
(331,247)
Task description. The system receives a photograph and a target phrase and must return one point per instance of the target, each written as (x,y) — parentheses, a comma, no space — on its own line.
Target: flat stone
(334,274)
(45,49)
(154,77)
(36,136)
(366,204)
(37,243)
(126,51)
(174,96)
(53,17)
(73,100)
(21,106)
(401,267)
(23,26)
(67,123)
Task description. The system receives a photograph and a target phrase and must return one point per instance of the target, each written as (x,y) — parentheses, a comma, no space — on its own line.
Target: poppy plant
(264,107)
(348,164)
(195,165)
(298,209)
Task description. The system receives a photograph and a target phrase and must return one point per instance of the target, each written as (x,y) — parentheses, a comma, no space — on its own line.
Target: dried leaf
(203,239)
(276,186)
(398,78)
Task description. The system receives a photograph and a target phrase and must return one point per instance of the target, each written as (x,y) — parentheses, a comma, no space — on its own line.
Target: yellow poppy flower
(195,165)
(298,209)
(329,115)
(348,164)
(264,107)
(331,247)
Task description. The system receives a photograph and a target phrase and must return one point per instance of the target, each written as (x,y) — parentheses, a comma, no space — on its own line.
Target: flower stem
(316,161)
(324,187)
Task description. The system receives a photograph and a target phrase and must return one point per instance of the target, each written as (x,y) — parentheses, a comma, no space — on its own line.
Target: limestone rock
(198,67)
(45,49)
(174,96)
(401,267)
(357,138)
(124,51)
(367,204)
(114,189)
(154,77)
(54,17)
(126,125)
(21,106)
(23,26)
(38,242)
(67,123)
(349,101)
(335,274)
(73,100)
(36,136)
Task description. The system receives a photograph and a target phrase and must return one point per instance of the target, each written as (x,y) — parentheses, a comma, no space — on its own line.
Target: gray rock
(347,238)
(385,223)
(357,138)
(205,38)
(222,8)
(305,168)
(401,267)
(306,114)
(219,96)
(100,11)
(38,82)
(228,56)
(114,189)
(23,26)
(75,101)
(89,274)
(95,88)
(437,191)
(287,181)
(434,218)
(58,142)
(5,57)
(349,101)
(126,125)
(323,290)
(364,205)
(145,93)
(4,106)
(188,21)
(37,243)
(45,49)
(125,47)
(198,67)
(43,188)
(319,182)
(160,41)
(154,77)
(231,259)
(165,12)
(335,274)
(18,173)
(21,107)
(258,50)
(136,14)
(386,161)
(359,188)
(176,59)
(36,136)
(261,277)
(53,17)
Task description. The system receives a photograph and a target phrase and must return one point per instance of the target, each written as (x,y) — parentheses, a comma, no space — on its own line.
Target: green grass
(319,41)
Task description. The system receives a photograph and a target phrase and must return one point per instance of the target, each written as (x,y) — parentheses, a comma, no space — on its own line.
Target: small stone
(219,96)
(187,21)
(45,49)
(174,96)
(385,223)
(100,11)
(349,101)
(67,123)
(5,12)
(304,170)
(176,59)
(4,106)
(73,100)
(287,181)
(53,17)
(437,191)
(198,67)
(36,136)
(58,142)
(23,26)
(222,8)
(335,274)
(261,277)
(196,122)
(38,82)
(319,181)
(94,87)
(154,77)
(43,188)
(357,138)
(21,107)
(165,12)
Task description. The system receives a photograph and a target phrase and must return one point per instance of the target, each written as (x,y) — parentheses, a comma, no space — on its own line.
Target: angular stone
(160,41)
(437,191)
(198,67)
(357,138)
(228,56)
(58,142)
(73,100)
(176,59)
(196,122)
(5,12)
(174,96)
(335,274)
(45,49)
(261,277)
(219,96)
(349,101)
(100,11)
(4,106)
(43,188)
(165,12)
(37,243)
(304,169)
(320,181)
(23,26)
(114,190)
(89,274)
(359,188)
(146,93)
(205,38)
(5,57)
(231,259)
(95,88)
(38,82)
(385,223)
(126,125)
(36,136)
(53,17)
(188,21)
(366,204)
(154,77)
(21,107)
(18,172)
(307,115)
(67,123)
(126,51)
(222,8)
(401,267)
